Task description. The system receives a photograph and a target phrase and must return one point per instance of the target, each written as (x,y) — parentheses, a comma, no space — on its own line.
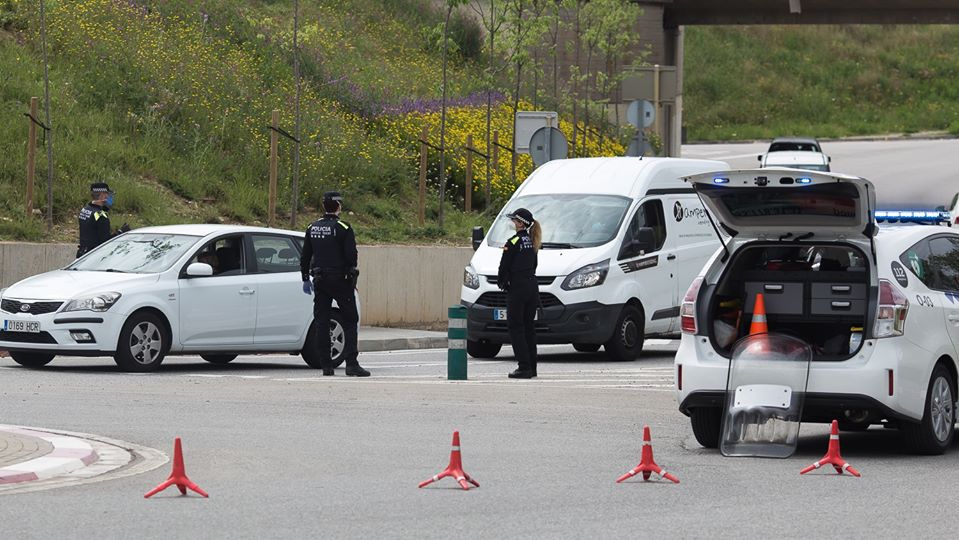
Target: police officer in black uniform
(517,276)
(94,220)
(329,256)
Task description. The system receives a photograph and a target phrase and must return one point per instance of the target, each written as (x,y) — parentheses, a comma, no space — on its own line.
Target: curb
(399,344)
(69,454)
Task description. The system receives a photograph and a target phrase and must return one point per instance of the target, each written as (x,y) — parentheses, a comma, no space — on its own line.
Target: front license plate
(499,314)
(32,327)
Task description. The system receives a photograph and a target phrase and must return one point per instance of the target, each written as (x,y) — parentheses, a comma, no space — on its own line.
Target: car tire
(934,433)
(626,344)
(707,422)
(143,343)
(586,347)
(26,359)
(337,343)
(218,358)
(483,349)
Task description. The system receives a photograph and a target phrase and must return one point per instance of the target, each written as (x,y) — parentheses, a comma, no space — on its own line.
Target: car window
(275,254)
(225,255)
(944,261)
(916,259)
(649,214)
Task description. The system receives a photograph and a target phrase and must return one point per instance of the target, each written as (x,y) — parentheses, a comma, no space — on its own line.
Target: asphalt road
(907,173)
(285,453)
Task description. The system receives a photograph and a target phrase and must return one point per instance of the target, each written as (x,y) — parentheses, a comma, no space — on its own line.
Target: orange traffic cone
(178,477)
(832,456)
(454,469)
(646,463)
(758,324)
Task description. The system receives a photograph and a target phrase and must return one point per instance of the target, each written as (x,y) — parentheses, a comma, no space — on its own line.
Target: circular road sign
(547,144)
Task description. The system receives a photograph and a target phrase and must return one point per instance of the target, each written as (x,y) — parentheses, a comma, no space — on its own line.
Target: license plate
(500,315)
(32,327)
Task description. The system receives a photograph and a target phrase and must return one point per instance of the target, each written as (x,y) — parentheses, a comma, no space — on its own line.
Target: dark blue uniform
(330,257)
(517,276)
(94,227)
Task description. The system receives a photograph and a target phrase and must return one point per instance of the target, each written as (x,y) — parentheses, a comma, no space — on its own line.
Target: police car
(879,307)
(212,290)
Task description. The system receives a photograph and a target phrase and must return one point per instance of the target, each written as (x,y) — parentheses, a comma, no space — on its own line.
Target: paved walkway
(378,338)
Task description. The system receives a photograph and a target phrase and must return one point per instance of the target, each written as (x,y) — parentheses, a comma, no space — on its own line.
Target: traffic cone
(455,468)
(646,464)
(178,477)
(758,324)
(832,456)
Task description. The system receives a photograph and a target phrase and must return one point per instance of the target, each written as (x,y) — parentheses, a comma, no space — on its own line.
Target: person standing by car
(330,257)
(517,276)
(94,220)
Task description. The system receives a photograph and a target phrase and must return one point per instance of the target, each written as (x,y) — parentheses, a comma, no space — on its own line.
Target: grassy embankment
(825,81)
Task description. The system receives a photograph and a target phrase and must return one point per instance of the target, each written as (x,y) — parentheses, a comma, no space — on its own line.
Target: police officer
(517,276)
(94,220)
(329,255)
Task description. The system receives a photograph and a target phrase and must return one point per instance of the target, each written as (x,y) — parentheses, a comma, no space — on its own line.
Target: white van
(622,240)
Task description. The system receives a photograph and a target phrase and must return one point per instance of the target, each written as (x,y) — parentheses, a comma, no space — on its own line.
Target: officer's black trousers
(521,302)
(325,290)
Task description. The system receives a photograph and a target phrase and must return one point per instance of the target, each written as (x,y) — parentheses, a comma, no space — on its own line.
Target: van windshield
(569,220)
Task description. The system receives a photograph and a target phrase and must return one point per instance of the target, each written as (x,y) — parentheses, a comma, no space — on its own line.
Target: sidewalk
(378,338)
(27,454)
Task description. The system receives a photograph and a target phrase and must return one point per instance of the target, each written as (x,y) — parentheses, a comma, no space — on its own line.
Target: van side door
(691,239)
(653,268)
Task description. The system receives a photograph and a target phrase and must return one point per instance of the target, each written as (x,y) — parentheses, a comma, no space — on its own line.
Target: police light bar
(720,180)
(912,216)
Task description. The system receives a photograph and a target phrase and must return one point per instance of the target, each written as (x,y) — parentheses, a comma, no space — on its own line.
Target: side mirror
(199,269)
(759,159)
(478,236)
(829,158)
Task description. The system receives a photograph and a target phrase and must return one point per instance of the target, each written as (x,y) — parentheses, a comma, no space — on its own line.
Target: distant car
(880,310)
(212,290)
(795,153)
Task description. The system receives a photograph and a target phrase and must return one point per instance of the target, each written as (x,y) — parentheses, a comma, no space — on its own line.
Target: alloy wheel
(942,409)
(146,342)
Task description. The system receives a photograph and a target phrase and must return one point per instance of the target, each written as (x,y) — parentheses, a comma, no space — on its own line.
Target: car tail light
(893,308)
(687,312)
(957,220)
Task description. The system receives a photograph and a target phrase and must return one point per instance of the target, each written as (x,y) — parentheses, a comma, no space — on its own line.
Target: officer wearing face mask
(94,219)
(517,276)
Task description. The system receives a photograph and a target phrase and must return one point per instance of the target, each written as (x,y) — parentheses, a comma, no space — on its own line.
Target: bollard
(456,355)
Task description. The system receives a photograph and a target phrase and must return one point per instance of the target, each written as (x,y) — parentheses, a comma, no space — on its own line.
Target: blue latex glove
(307,287)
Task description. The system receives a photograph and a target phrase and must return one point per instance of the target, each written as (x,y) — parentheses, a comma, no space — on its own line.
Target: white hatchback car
(880,309)
(212,290)
(795,153)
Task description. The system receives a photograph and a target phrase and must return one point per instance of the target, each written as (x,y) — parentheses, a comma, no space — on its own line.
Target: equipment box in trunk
(782,298)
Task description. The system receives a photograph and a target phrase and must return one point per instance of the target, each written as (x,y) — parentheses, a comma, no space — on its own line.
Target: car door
(654,269)
(944,261)
(690,239)
(218,312)
(283,311)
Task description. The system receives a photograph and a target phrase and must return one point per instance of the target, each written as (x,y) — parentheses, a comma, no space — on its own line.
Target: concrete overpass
(661,29)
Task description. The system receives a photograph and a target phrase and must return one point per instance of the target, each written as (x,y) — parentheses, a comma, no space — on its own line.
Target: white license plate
(32,327)
(500,315)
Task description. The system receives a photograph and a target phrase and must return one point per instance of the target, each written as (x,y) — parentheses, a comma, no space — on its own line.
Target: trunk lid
(788,204)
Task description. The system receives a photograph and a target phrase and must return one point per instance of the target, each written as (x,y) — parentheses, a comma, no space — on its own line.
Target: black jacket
(94,226)
(519,260)
(331,245)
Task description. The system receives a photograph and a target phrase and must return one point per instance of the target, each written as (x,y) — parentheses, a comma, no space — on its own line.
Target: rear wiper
(556,245)
(802,237)
(115,270)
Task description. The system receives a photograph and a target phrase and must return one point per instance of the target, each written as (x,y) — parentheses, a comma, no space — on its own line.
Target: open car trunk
(819,293)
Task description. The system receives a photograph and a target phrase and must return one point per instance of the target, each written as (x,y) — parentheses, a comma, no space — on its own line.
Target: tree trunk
(446,37)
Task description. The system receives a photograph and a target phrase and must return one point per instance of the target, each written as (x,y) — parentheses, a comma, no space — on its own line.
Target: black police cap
(100,187)
(522,215)
(332,196)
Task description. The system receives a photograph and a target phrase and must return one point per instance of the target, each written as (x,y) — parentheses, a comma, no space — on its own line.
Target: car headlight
(99,302)
(590,275)
(471,278)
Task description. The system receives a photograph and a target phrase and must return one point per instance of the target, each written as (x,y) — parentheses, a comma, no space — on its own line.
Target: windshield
(138,253)
(568,220)
(808,167)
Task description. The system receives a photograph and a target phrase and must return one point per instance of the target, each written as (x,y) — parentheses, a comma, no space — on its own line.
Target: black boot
(328,372)
(522,374)
(356,371)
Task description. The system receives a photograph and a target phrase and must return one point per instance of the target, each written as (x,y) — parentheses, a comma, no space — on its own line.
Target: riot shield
(765,391)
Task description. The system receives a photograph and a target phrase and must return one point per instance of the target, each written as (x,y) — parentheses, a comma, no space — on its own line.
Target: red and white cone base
(454,469)
(647,465)
(832,456)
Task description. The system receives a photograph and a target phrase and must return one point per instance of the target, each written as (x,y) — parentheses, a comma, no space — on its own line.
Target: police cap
(522,215)
(332,196)
(100,187)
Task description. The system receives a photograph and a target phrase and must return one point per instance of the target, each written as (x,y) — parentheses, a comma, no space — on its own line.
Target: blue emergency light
(912,216)
(719,180)
(804,180)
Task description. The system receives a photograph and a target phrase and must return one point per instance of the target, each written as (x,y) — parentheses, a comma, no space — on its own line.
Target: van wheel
(933,434)
(627,341)
(310,352)
(143,343)
(483,349)
(706,422)
(26,359)
(218,358)
(586,347)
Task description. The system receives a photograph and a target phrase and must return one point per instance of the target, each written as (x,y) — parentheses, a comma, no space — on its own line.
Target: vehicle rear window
(827,203)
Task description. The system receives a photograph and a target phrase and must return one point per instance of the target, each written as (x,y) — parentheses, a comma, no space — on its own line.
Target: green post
(456,355)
